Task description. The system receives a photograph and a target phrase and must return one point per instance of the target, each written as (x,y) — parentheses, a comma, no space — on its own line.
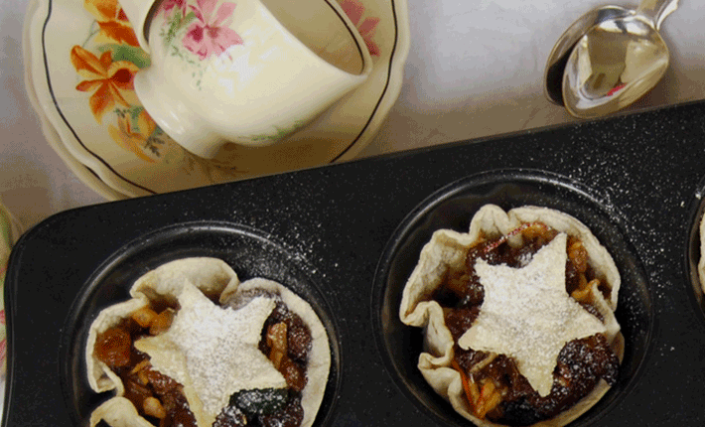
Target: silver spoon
(555,65)
(617,61)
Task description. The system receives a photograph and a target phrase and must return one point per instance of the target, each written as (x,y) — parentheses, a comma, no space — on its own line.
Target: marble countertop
(474,69)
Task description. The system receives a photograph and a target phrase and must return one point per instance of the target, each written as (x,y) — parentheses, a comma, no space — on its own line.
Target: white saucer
(82,172)
(137,165)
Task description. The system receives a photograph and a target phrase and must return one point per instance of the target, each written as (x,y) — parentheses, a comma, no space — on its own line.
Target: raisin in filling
(286,341)
(156,397)
(492,383)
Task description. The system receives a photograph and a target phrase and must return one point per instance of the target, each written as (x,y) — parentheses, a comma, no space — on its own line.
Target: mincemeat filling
(493,385)
(286,341)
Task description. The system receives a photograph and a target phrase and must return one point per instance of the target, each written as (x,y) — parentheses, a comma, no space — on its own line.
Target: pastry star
(528,315)
(213,351)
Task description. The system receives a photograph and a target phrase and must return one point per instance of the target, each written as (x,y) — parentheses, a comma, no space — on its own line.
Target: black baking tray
(346,236)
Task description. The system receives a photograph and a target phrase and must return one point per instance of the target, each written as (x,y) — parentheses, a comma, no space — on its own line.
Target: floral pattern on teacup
(205,26)
(108,60)
(210,33)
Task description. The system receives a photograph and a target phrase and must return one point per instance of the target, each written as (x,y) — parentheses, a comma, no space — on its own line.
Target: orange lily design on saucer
(107,63)
(112,21)
(110,82)
(134,133)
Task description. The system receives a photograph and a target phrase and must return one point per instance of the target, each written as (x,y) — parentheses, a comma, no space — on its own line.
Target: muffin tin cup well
(693,249)
(248,251)
(452,207)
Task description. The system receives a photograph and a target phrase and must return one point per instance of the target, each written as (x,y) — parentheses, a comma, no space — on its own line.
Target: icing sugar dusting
(528,315)
(220,349)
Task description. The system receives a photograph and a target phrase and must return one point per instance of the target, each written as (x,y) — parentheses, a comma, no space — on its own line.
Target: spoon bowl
(558,58)
(612,66)
(617,61)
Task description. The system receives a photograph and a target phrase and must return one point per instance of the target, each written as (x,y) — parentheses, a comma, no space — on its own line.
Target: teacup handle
(138,12)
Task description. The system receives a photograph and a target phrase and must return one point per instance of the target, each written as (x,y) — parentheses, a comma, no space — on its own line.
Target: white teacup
(244,71)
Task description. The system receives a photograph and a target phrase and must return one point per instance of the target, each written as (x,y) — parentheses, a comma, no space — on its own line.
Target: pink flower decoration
(168,5)
(210,35)
(367,28)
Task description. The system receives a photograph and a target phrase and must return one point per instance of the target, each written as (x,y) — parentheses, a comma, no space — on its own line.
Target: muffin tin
(345,237)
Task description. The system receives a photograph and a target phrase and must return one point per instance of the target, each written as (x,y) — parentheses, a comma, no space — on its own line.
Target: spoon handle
(657,10)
